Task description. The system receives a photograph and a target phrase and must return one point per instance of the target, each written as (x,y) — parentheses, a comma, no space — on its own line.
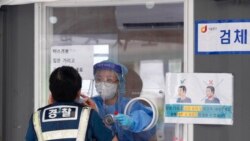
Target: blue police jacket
(66,117)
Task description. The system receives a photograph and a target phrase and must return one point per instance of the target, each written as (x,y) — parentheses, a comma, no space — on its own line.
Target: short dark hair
(64,83)
(211,88)
(183,88)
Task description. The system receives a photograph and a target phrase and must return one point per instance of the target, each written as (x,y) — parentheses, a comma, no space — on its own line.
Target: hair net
(120,70)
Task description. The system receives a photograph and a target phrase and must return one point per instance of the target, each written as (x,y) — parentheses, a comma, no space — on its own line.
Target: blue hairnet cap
(120,70)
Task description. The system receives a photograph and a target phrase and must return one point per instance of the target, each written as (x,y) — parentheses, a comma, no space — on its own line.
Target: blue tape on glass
(107,66)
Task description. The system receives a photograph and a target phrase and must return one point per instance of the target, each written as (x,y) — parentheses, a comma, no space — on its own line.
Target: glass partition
(147,39)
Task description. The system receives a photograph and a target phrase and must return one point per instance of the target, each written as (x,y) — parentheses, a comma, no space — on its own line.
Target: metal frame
(89,3)
(40,71)
(188,53)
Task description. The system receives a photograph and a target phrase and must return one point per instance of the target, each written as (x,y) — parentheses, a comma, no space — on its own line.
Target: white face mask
(79,100)
(106,90)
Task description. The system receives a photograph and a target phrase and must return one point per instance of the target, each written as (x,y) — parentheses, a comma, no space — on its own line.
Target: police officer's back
(66,120)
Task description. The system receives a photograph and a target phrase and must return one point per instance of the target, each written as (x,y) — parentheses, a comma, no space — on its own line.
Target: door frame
(41,61)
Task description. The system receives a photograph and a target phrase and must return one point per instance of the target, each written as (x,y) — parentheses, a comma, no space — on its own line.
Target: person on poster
(210,90)
(182,95)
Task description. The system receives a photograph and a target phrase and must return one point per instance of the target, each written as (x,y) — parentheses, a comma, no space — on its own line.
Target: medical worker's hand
(88,101)
(125,121)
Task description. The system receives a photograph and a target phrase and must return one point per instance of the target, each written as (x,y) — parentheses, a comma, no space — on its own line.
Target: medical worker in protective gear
(110,84)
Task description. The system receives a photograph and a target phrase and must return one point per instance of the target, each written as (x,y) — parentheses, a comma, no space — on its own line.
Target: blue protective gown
(141,114)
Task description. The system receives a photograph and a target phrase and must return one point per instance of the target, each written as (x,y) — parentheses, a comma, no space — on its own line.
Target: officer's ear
(51,99)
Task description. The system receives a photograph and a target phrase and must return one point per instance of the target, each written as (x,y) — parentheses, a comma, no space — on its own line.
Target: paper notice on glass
(78,56)
(151,73)
(199,98)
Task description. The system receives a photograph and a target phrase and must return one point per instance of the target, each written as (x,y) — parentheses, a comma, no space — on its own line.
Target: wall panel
(238,65)
(18,68)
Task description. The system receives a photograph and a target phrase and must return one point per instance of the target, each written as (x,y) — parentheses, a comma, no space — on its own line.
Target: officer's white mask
(106,90)
(79,100)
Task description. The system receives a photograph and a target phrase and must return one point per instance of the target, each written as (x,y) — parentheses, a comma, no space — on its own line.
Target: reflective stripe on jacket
(61,122)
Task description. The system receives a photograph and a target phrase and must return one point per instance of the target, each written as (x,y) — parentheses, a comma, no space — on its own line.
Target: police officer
(65,119)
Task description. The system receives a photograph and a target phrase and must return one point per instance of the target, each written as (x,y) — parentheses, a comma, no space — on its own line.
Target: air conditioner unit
(158,16)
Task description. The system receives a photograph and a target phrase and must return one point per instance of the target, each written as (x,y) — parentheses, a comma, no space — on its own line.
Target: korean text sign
(78,56)
(199,98)
(222,37)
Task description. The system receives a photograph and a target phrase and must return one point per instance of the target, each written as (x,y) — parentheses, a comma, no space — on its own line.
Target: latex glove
(125,121)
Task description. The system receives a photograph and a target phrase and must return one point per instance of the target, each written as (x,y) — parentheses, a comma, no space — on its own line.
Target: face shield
(107,74)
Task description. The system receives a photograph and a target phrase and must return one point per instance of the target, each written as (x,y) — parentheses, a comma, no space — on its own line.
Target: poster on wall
(199,98)
(222,37)
(78,56)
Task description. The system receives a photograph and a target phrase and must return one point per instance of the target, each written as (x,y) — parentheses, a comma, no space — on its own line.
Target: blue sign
(222,37)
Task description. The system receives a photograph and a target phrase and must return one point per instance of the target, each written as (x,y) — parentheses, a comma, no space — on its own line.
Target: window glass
(147,39)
